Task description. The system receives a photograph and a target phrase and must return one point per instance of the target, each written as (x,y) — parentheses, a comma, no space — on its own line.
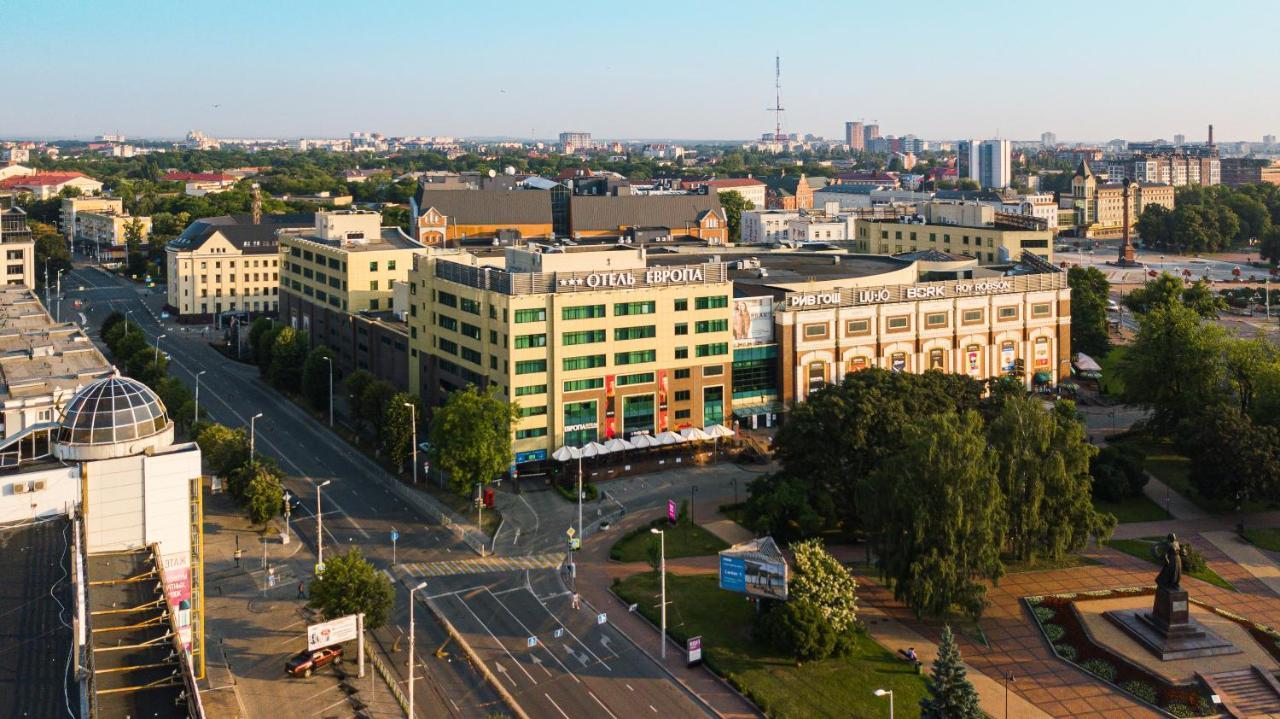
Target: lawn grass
(1041,564)
(1111,384)
(839,687)
(1167,465)
(683,540)
(1267,538)
(1141,548)
(1133,509)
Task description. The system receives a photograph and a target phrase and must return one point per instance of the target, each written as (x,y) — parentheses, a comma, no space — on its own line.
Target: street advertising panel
(752,320)
(342,629)
(756,568)
(175,575)
(671,511)
(694,649)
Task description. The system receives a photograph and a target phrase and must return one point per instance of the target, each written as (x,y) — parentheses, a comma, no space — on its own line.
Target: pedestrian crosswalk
(484,564)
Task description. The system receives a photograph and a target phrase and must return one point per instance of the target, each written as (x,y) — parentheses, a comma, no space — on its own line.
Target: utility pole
(330,363)
(412,658)
(662,572)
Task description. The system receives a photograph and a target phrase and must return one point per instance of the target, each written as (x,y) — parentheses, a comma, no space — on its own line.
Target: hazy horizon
(699,72)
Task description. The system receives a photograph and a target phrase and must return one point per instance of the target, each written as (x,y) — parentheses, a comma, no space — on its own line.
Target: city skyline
(631,73)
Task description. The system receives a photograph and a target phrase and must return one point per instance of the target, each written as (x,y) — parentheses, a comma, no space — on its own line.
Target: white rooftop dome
(112,417)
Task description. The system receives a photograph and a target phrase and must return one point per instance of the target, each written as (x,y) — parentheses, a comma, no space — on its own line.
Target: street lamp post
(662,572)
(413,419)
(156,358)
(330,363)
(320,525)
(59,297)
(888,693)
(421,585)
(197,417)
(288,509)
(253,436)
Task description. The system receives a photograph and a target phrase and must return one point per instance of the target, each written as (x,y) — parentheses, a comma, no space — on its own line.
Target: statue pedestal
(1168,631)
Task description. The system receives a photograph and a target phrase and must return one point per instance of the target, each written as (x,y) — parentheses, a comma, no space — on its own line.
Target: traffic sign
(570,531)
(533,642)
(575,543)
(602,617)
(319,568)
(395,536)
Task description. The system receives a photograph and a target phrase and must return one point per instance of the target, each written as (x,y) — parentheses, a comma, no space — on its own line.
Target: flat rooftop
(37,671)
(390,238)
(788,267)
(41,357)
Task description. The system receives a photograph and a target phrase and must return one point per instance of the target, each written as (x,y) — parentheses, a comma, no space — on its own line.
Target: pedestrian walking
(302,591)
(576,601)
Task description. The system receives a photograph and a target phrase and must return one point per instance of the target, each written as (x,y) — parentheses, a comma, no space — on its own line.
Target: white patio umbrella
(694,434)
(594,449)
(643,441)
(618,444)
(668,437)
(716,431)
(566,453)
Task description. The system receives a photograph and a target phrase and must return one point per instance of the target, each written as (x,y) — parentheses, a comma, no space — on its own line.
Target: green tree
(799,628)
(951,694)
(734,205)
(1232,457)
(316,377)
(1043,467)
(1090,291)
(351,585)
(1164,291)
(1247,363)
(1200,298)
(786,507)
(288,352)
(397,428)
(937,524)
(263,493)
(471,437)
(1174,365)
(223,448)
(129,343)
(371,404)
(257,331)
(1153,226)
(111,321)
(51,253)
(265,349)
(820,579)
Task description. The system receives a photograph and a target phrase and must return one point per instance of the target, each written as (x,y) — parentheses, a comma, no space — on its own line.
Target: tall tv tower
(777,100)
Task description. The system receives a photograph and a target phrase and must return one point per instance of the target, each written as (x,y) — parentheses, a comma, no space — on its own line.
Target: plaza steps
(1251,692)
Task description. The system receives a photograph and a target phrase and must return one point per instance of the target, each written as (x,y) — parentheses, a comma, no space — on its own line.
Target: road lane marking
(529,633)
(655,711)
(557,706)
(501,646)
(631,687)
(570,631)
(602,706)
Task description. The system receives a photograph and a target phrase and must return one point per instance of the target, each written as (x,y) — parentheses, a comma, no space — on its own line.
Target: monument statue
(1170,576)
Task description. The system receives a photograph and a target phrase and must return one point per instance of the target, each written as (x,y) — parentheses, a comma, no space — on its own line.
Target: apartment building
(103,235)
(229,263)
(591,342)
(766,226)
(71,207)
(966,229)
(1237,171)
(46,185)
(18,246)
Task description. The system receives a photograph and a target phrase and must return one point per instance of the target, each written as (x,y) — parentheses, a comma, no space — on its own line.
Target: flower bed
(1061,626)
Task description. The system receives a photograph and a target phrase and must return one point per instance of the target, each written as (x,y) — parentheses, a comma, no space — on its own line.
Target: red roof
(41,179)
(197,177)
(734,182)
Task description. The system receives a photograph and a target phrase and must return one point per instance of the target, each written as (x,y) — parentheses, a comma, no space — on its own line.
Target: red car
(304,663)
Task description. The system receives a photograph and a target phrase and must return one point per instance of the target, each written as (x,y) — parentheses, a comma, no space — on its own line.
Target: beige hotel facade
(591,342)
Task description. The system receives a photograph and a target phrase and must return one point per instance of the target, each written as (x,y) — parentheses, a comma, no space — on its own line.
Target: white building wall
(61,491)
(115,519)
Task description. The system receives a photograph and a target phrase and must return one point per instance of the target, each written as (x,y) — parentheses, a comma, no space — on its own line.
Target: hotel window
(373,284)
(633,308)
(682,395)
(937,360)
(391,264)
(713,370)
(530,433)
(682,305)
(1041,310)
(583,417)
(530,366)
(582,385)
(533,411)
(971,317)
(637,413)
(857,327)
(471,355)
(684,413)
(1007,313)
(898,324)
(714,349)
(584,362)
(630,379)
(471,331)
(373,266)
(447,322)
(637,357)
(711,303)
(449,346)
(447,299)
(712,405)
(582,338)
(527,341)
(817,376)
(470,306)
(815,331)
(634,333)
(582,312)
(535,315)
(711,326)
(682,328)
(935,319)
(682,373)
(682,353)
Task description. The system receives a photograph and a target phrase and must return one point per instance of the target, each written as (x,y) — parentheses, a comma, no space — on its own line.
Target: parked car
(305,663)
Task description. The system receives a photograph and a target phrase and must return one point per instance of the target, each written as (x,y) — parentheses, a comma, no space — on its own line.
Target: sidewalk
(595,574)
(1175,504)
(1248,557)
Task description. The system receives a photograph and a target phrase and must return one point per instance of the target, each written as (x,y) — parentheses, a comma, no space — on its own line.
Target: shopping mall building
(597,342)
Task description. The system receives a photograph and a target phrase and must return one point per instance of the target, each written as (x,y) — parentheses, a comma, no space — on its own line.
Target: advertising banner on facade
(752,320)
(610,411)
(342,629)
(1041,357)
(972,360)
(756,568)
(175,574)
(1007,357)
(662,400)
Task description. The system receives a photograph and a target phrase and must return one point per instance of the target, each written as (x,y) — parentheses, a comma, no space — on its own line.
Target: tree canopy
(471,437)
(1090,291)
(351,585)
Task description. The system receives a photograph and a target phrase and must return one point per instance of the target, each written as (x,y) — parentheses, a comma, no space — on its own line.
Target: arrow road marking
(503,671)
(537,660)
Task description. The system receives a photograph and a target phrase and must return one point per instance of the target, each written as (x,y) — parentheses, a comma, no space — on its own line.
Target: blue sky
(693,69)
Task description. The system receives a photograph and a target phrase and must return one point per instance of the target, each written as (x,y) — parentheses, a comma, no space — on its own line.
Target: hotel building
(591,342)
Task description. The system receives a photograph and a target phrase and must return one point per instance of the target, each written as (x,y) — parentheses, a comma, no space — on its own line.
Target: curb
(476,661)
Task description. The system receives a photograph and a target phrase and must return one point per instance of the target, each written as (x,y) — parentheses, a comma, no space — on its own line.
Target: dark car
(304,663)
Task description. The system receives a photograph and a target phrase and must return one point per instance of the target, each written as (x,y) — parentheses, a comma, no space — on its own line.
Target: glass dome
(112,411)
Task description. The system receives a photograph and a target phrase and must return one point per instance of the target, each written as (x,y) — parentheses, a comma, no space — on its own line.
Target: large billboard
(342,629)
(175,575)
(756,568)
(752,320)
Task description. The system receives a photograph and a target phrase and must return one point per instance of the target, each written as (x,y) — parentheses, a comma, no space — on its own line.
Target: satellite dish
(493,173)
